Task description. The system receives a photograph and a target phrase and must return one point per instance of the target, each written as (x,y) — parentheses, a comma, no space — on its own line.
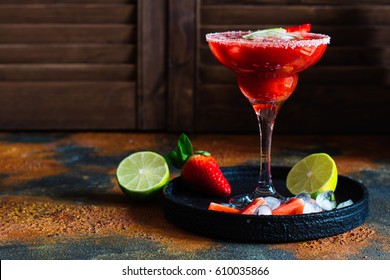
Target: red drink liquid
(267,69)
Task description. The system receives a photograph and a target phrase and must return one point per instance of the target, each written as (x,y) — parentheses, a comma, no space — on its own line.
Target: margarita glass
(267,64)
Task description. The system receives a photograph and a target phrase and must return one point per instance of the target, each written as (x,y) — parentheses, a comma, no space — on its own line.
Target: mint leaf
(181,154)
(185,146)
(173,159)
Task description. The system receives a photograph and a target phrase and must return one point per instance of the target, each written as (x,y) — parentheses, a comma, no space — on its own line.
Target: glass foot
(242,200)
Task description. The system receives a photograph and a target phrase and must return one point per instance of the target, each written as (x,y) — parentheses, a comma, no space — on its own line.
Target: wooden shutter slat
(67,33)
(67,53)
(67,72)
(67,2)
(87,13)
(290,14)
(67,105)
(182,65)
(288,2)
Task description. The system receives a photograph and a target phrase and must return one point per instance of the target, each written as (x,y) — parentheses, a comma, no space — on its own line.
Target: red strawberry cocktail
(267,63)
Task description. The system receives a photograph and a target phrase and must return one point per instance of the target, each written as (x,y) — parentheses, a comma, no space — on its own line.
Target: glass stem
(266,116)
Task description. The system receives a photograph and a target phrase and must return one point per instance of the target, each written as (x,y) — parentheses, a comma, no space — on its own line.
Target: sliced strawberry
(304,28)
(222,208)
(251,207)
(292,207)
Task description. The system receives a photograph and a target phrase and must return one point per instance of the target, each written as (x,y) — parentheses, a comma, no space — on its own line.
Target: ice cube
(345,204)
(305,196)
(326,200)
(263,210)
(311,207)
(272,202)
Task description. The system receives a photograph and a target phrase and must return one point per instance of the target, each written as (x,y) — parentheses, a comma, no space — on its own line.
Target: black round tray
(188,209)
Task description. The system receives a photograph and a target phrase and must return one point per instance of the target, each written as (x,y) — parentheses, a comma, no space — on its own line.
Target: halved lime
(314,174)
(142,174)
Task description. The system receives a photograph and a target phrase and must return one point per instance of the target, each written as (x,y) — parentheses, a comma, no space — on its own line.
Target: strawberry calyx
(203,153)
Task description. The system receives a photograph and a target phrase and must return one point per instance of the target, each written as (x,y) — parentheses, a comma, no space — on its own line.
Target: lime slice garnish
(272,33)
(314,174)
(142,174)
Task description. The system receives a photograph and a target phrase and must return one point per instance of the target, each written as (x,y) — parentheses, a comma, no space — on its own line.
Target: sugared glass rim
(320,39)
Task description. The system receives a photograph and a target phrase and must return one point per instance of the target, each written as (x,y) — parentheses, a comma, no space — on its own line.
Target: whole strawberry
(200,170)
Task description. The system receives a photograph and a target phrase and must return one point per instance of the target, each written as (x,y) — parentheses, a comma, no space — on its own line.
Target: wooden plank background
(182,65)
(145,66)
(346,92)
(152,58)
(68,64)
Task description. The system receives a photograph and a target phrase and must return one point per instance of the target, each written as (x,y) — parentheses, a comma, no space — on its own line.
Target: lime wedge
(142,174)
(272,33)
(314,174)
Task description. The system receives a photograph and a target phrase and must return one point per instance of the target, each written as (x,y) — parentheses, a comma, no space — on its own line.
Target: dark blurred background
(145,66)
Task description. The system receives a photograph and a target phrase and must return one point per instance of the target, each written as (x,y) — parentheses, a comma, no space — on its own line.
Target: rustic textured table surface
(59,198)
